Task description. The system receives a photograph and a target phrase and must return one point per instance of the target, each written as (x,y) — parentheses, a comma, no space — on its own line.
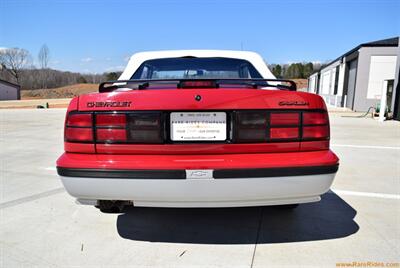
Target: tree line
(16,67)
(295,70)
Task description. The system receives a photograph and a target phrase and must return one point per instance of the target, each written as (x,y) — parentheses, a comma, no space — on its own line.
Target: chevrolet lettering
(92,104)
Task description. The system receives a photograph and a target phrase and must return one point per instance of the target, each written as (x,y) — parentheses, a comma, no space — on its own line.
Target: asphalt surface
(40,225)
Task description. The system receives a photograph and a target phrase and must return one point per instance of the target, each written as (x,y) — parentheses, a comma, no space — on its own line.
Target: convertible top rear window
(193,68)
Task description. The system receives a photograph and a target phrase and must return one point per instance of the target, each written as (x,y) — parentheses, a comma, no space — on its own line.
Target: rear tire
(108,206)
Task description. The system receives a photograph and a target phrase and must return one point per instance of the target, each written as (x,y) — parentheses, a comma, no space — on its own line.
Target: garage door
(351,84)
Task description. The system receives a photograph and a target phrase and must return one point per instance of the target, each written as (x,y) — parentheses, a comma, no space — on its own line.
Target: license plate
(198,126)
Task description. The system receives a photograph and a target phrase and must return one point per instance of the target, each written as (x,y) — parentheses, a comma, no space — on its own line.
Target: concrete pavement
(40,225)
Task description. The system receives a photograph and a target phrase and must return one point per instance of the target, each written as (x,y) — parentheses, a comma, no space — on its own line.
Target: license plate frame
(198,126)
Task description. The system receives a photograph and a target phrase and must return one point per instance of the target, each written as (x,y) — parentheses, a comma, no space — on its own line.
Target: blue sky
(97,36)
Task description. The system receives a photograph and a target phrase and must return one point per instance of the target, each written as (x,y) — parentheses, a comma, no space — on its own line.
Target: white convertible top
(138,58)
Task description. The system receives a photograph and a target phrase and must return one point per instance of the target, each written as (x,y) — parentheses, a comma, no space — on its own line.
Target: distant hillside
(302,84)
(60,92)
(78,89)
(49,78)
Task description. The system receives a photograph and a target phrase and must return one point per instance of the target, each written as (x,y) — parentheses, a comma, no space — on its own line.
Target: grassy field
(60,92)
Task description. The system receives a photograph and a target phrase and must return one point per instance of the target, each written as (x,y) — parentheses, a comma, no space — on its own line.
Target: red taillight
(284,133)
(315,126)
(128,127)
(76,134)
(313,118)
(79,120)
(284,119)
(316,132)
(111,127)
(111,120)
(79,127)
(111,135)
(254,126)
(284,125)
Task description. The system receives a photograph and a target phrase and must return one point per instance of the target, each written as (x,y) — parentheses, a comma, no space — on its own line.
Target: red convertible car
(197,128)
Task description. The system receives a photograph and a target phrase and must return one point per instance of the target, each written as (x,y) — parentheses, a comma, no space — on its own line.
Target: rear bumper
(223,181)
(205,173)
(202,192)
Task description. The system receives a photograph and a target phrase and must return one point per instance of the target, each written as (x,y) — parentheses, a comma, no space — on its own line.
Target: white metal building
(9,91)
(356,79)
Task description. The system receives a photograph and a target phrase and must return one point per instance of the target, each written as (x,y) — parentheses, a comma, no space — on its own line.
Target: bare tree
(44,56)
(14,60)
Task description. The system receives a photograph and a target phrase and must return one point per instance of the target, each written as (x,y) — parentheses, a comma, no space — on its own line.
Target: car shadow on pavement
(329,219)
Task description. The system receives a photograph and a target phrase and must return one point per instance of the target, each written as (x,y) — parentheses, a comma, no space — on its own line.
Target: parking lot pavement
(40,225)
